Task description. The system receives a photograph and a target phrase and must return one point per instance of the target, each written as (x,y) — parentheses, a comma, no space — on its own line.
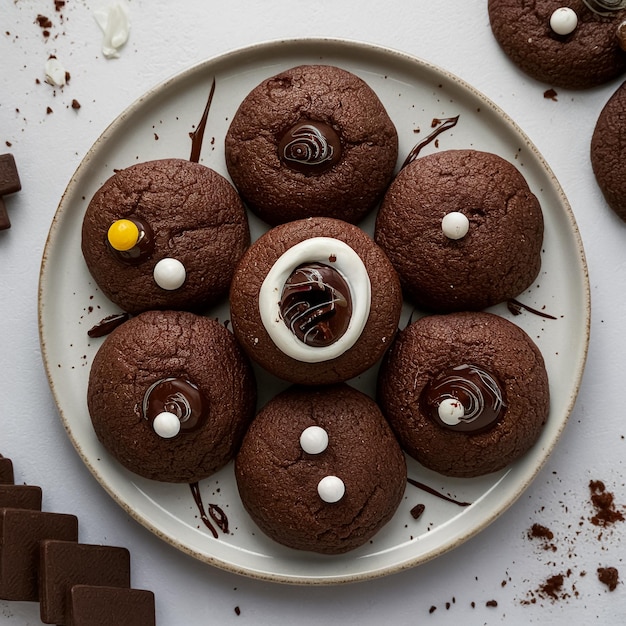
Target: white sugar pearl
(563,21)
(455,225)
(314,440)
(331,489)
(166,425)
(450,411)
(169,274)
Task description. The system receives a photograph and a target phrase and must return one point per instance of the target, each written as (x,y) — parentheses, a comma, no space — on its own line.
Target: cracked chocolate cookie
(320,469)
(164,234)
(170,395)
(314,140)
(575,44)
(462,229)
(466,393)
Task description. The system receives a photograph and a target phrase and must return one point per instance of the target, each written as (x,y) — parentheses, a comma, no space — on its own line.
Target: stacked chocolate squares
(41,560)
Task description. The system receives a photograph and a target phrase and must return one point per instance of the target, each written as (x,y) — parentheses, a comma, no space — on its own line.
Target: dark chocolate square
(21,531)
(65,564)
(20,497)
(103,606)
(6,471)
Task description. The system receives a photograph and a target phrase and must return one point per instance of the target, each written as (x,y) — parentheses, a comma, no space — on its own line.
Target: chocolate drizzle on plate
(516,307)
(198,134)
(216,513)
(316,304)
(108,325)
(434,492)
(442,125)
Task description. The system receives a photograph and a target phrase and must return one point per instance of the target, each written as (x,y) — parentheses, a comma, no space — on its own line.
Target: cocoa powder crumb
(417,510)
(550,94)
(608,576)
(491,603)
(604,504)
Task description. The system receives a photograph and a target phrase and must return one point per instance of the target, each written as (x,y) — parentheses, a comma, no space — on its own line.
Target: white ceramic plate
(158,126)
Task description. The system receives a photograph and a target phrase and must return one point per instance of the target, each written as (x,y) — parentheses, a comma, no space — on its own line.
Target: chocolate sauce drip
(434,492)
(178,396)
(195,490)
(516,307)
(478,392)
(310,147)
(316,304)
(144,247)
(198,135)
(444,125)
(108,325)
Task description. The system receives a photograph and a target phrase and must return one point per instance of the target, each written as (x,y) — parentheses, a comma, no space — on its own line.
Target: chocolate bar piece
(6,471)
(65,564)
(20,534)
(103,606)
(20,497)
(9,183)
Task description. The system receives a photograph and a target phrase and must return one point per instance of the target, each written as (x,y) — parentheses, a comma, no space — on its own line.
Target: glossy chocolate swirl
(465,398)
(142,250)
(316,304)
(310,147)
(178,396)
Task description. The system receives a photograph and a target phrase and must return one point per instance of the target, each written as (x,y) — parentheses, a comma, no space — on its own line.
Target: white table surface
(501,563)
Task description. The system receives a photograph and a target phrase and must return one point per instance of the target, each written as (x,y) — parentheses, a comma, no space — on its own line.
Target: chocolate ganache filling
(465,398)
(178,396)
(142,250)
(310,147)
(316,304)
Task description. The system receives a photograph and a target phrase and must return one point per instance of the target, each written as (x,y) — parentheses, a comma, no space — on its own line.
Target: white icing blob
(564,21)
(450,411)
(166,425)
(331,489)
(114,21)
(344,260)
(455,225)
(169,274)
(55,72)
(314,440)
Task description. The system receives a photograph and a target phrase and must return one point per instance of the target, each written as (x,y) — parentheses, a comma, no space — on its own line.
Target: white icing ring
(348,263)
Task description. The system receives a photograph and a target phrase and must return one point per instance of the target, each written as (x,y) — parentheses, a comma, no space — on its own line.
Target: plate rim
(346,46)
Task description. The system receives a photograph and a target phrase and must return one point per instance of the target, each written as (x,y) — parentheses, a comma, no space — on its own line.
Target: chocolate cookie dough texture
(315,301)
(41,560)
(320,470)
(575,44)
(462,229)
(608,151)
(314,140)
(164,234)
(466,393)
(170,395)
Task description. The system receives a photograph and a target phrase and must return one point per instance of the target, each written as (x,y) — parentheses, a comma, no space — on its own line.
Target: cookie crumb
(609,576)
(550,94)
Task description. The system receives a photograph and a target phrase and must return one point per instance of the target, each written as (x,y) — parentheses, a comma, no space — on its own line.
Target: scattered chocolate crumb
(604,504)
(553,586)
(75,104)
(48,110)
(58,5)
(537,531)
(550,94)
(417,510)
(491,603)
(432,609)
(608,576)
(237,611)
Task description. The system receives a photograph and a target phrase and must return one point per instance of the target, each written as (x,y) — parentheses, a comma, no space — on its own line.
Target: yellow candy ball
(123,235)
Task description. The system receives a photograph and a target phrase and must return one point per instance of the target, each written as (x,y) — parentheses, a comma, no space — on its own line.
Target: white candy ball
(563,21)
(455,225)
(166,425)
(450,411)
(331,489)
(314,440)
(169,274)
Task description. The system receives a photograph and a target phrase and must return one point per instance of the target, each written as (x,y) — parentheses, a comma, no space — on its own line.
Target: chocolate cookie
(314,140)
(320,469)
(164,234)
(608,151)
(315,301)
(462,229)
(575,44)
(170,395)
(466,393)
